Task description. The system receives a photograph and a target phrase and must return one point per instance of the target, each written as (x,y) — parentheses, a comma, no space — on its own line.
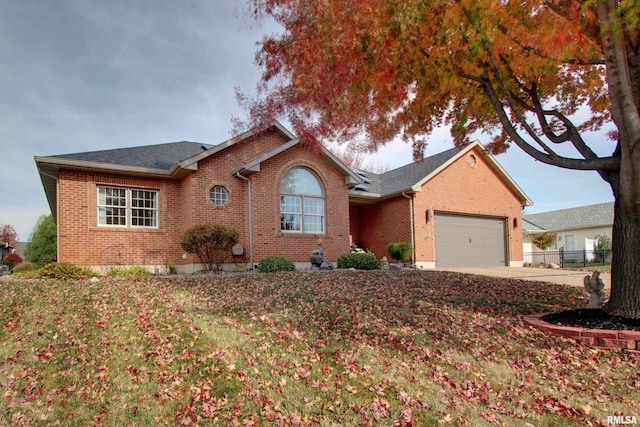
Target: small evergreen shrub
(400,251)
(172,269)
(63,271)
(359,261)
(129,272)
(273,264)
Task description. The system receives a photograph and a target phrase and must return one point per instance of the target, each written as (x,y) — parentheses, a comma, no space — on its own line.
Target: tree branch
(597,163)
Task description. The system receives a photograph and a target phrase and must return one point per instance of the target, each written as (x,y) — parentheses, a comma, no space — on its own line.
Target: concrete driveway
(563,277)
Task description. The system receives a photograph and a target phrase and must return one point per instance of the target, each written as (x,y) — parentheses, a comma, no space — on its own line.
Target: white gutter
(244,178)
(413,240)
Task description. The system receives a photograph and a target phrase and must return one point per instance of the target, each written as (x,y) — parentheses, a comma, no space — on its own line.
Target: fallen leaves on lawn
(320,348)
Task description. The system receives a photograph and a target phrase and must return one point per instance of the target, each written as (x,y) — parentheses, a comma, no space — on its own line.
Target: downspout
(57,180)
(244,178)
(413,240)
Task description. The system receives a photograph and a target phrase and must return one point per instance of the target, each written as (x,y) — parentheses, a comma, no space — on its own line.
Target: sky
(86,75)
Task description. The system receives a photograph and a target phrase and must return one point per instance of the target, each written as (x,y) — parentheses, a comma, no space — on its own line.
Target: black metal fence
(583,258)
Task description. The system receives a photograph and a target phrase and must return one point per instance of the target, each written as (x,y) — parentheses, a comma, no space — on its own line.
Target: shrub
(24,266)
(11,260)
(130,272)
(63,271)
(273,264)
(602,247)
(210,243)
(603,243)
(400,251)
(172,269)
(359,261)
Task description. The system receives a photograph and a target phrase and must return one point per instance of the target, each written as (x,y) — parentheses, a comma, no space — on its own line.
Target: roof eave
(492,162)
(357,197)
(58,163)
(253,165)
(281,130)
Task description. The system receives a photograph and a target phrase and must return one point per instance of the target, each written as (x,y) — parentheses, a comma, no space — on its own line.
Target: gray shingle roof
(406,176)
(159,156)
(573,218)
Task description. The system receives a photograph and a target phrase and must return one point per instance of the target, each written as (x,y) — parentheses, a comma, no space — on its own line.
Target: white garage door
(469,241)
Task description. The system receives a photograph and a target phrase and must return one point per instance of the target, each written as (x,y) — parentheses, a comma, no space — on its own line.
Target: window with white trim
(127,207)
(301,202)
(219,195)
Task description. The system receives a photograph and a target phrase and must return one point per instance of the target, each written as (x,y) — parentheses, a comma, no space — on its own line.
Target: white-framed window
(301,202)
(127,207)
(219,195)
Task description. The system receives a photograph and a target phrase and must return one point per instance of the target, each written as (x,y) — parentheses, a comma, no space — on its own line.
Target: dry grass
(323,348)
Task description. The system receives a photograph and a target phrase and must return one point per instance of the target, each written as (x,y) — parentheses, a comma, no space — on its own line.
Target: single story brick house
(131,206)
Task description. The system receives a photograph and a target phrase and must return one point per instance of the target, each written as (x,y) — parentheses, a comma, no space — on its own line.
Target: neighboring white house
(576,228)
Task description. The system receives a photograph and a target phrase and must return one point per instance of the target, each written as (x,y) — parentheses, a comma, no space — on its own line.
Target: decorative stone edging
(607,338)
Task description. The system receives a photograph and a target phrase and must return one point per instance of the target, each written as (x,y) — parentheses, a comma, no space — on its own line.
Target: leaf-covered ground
(323,348)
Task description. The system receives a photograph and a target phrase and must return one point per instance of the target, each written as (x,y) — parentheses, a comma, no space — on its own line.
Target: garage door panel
(469,241)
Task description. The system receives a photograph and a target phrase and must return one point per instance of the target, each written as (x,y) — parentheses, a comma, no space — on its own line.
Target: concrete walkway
(563,277)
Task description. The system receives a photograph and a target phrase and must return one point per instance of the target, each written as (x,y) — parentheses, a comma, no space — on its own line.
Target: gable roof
(410,178)
(170,160)
(599,215)
(159,156)
(253,165)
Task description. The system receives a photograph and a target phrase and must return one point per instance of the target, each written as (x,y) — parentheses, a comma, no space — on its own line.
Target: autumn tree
(8,235)
(43,247)
(544,241)
(537,74)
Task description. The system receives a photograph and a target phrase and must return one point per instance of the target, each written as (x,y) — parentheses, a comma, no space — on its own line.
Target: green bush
(130,272)
(359,261)
(273,264)
(42,248)
(63,271)
(400,251)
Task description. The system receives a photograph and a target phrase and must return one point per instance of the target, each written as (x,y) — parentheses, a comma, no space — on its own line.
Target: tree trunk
(621,58)
(625,267)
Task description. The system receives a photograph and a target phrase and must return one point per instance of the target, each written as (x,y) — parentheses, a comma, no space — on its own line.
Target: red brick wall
(268,239)
(461,188)
(383,223)
(83,242)
(187,202)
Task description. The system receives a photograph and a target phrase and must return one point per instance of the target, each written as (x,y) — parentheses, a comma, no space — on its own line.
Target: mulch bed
(591,318)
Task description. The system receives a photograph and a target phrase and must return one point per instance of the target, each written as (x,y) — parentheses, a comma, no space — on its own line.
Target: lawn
(411,348)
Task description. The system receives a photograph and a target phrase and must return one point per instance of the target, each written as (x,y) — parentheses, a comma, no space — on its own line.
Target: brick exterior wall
(460,188)
(83,242)
(383,223)
(473,190)
(187,201)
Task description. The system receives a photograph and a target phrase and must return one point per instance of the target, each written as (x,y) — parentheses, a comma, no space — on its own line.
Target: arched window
(301,202)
